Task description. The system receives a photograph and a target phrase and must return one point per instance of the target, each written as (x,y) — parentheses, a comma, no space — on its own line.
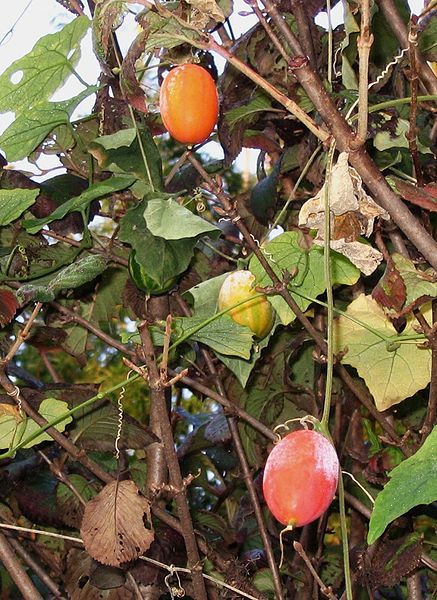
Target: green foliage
(14,202)
(20,431)
(412,483)
(290,257)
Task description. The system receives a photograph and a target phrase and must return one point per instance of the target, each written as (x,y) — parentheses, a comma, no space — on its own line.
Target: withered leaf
(392,560)
(128,80)
(116,526)
(79,580)
(425,197)
(353,213)
(8,307)
(390,290)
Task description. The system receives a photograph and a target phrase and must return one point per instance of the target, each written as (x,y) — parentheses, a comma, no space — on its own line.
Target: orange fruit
(188,102)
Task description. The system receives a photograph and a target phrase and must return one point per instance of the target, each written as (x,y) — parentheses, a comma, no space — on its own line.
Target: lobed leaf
(392,371)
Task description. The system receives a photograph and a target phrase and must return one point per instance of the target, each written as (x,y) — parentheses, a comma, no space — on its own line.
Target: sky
(25,21)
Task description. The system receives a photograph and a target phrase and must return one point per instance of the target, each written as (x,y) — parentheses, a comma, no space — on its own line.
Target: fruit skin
(300,477)
(145,282)
(189,105)
(258,314)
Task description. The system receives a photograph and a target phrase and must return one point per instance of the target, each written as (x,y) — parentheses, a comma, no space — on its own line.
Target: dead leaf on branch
(204,11)
(116,526)
(353,214)
(425,197)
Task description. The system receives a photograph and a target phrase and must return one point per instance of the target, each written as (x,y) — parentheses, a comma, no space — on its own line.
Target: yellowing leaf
(13,432)
(392,371)
(117,525)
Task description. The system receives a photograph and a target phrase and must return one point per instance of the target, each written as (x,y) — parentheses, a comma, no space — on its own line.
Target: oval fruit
(300,477)
(146,282)
(188,102)
(257,314)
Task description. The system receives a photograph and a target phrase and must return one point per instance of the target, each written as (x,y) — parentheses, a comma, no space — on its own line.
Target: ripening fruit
(145,282)
(188,102)
(300,477)
(257,314)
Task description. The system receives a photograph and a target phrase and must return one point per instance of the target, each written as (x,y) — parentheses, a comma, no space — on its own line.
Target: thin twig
(364,44)
(22,335)
(414,86)
(326,590)
(247,476)
(16,571)
(431,412)
(34,566)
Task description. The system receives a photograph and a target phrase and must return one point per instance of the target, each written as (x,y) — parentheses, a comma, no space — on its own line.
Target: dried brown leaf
(392,560)
(425,197)
(390,290)
(128,79)
(79,578)
(8,307)
(116,525)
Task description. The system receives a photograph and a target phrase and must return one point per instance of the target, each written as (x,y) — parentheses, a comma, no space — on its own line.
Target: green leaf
(107,17)
(167,219)
(29,129)
(162,259)
(222,335)
(13,203)
(122,153)
(383,140)
(95,428)
(391,372)
(13,433)
(412,483)
(242,368)
(82,271)
(43,70)
(286,253)
(81,202)
(259,103)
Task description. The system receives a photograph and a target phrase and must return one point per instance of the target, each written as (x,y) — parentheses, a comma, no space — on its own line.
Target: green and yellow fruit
(145,282)
(257,314)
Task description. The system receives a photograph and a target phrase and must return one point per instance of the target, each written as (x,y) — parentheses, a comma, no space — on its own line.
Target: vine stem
(329,293)
(344,539)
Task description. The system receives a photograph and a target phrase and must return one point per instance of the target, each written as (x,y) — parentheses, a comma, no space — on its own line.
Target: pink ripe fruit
(300,477)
